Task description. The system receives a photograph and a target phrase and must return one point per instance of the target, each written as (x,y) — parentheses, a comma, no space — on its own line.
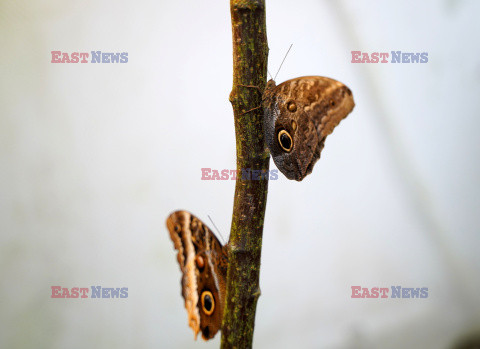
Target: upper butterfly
(203,262)
(299,114)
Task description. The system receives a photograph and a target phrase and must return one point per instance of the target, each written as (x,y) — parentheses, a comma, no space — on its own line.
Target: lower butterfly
(203,262)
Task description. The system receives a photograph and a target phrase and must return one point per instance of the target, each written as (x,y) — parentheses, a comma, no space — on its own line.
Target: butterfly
(203,262)
(299,114)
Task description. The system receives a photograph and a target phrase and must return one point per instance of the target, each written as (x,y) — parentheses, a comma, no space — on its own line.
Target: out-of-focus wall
(94,157)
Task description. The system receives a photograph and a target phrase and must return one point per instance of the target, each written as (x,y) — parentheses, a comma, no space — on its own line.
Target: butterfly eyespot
(285,140)
(332,102)
(208,302)
(292,107)
(177,228)
(200,262)
(294,125)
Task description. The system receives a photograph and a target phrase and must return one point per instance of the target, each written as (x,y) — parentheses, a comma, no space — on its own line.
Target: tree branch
(250,55)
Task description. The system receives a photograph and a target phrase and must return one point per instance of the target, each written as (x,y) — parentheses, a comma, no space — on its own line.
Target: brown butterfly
(203,262)
(298,116)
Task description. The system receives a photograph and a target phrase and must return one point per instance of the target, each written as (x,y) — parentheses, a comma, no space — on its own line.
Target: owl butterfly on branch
(299,114)
(203,262)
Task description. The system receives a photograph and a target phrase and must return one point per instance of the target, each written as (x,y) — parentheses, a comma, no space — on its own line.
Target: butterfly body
(298,115)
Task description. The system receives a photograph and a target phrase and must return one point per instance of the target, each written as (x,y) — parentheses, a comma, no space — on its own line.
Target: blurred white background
(94,157)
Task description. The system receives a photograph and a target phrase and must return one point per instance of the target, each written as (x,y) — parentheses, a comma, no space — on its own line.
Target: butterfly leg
(251,86)
(258,89)
(248,111)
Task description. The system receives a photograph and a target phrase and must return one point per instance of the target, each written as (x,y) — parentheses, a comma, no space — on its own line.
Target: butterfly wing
(203,262)
(302,112)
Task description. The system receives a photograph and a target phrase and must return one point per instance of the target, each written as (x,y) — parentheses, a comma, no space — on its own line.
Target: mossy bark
(250,56)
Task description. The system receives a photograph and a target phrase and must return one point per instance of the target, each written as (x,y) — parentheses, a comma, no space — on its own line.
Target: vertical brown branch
(250,53)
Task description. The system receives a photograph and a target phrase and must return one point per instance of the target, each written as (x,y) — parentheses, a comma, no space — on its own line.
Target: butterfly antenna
(270,74)
(218,231)
(283,61)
